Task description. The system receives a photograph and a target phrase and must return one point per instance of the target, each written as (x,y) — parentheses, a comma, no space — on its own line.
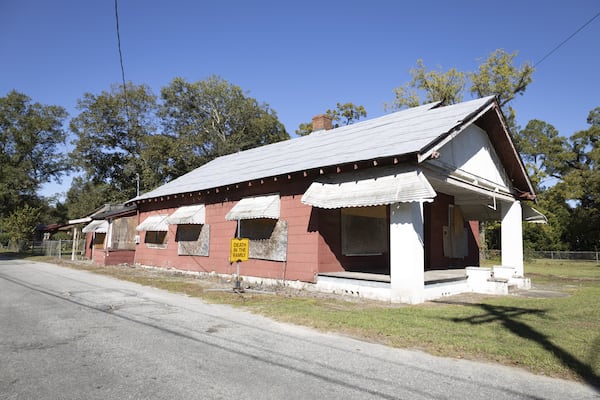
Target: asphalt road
(69,334)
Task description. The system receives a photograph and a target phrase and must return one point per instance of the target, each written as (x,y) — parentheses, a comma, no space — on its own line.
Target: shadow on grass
(507,316)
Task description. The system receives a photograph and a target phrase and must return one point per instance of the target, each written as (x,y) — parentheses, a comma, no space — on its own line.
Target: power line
(566,40)
(121,61)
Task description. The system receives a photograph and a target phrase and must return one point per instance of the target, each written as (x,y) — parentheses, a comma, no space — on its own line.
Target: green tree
(85,196)
(112,129)
(581,176)
(551,201)
(497,75)
(342,114)
(210,118)
(543,150)
(572,199)
(30,138)
(428,86)
(20,224)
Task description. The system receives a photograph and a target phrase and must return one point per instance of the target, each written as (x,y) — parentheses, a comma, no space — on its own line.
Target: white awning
(530,214)
(373,187)
(188,215)
(156,223)
(98,226)
(255,207)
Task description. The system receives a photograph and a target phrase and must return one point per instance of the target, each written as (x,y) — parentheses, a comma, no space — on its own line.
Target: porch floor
(431,276)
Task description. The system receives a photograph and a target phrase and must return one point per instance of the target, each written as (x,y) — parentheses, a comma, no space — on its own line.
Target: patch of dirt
(213,282)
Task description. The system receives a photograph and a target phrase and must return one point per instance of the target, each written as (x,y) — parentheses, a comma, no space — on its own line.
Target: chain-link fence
(60,249)
(593,256)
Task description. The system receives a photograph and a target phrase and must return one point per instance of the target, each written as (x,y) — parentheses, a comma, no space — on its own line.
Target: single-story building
(110,235)
(369,208)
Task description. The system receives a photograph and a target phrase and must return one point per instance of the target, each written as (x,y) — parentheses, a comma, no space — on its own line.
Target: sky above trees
(299,57)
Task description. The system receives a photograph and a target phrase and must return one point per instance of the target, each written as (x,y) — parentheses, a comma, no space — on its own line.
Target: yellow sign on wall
(239,250)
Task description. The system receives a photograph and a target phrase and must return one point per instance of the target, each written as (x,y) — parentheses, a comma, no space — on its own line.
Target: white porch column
(511,236)
(407,255)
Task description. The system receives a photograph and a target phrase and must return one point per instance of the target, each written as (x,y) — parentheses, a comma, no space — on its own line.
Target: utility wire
(121,61)
(566,40)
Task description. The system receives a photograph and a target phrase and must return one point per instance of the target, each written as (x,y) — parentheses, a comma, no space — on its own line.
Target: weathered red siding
(314,235)
(302,258)
(89,237)
(113,257)
(436,216)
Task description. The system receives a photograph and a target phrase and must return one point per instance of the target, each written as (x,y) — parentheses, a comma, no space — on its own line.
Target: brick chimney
(322,122)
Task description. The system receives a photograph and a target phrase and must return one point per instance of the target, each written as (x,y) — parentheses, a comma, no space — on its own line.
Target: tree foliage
(111,131)
(85,196)
(497,75)
(428,86)
(210,118)
(500,77)
(543,150)
(342,114)
(20,223)
(582,180)
(127,135)
(30,138)
(572,202)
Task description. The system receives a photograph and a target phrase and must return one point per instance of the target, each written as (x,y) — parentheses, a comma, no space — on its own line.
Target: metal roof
(404,132)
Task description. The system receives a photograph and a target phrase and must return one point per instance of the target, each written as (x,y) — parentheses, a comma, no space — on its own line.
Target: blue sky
(299,57)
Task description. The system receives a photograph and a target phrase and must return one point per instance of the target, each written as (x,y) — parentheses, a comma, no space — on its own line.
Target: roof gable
(472,153)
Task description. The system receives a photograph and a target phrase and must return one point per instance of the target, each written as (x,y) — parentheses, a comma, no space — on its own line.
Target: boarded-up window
(123,233)
(268,238)
(365,231)
(156,239)
(193,240)
(99,239)
(455,234)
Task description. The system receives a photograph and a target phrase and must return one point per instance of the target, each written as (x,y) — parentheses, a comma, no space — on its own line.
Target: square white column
(511,236)
(407,254)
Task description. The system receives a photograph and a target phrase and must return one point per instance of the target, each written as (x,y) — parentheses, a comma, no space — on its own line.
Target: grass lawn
(556,334)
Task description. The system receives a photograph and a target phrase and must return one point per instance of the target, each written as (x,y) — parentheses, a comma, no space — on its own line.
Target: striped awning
(188,215)
(98,226)
(255,207)
(156,223)
(373,187)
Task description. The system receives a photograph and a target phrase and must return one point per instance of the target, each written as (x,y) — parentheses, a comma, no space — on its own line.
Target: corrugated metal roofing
(155,223)
(373,187)
(403,132)
(98,226)
(190,215)
(255,207)
(530,214)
